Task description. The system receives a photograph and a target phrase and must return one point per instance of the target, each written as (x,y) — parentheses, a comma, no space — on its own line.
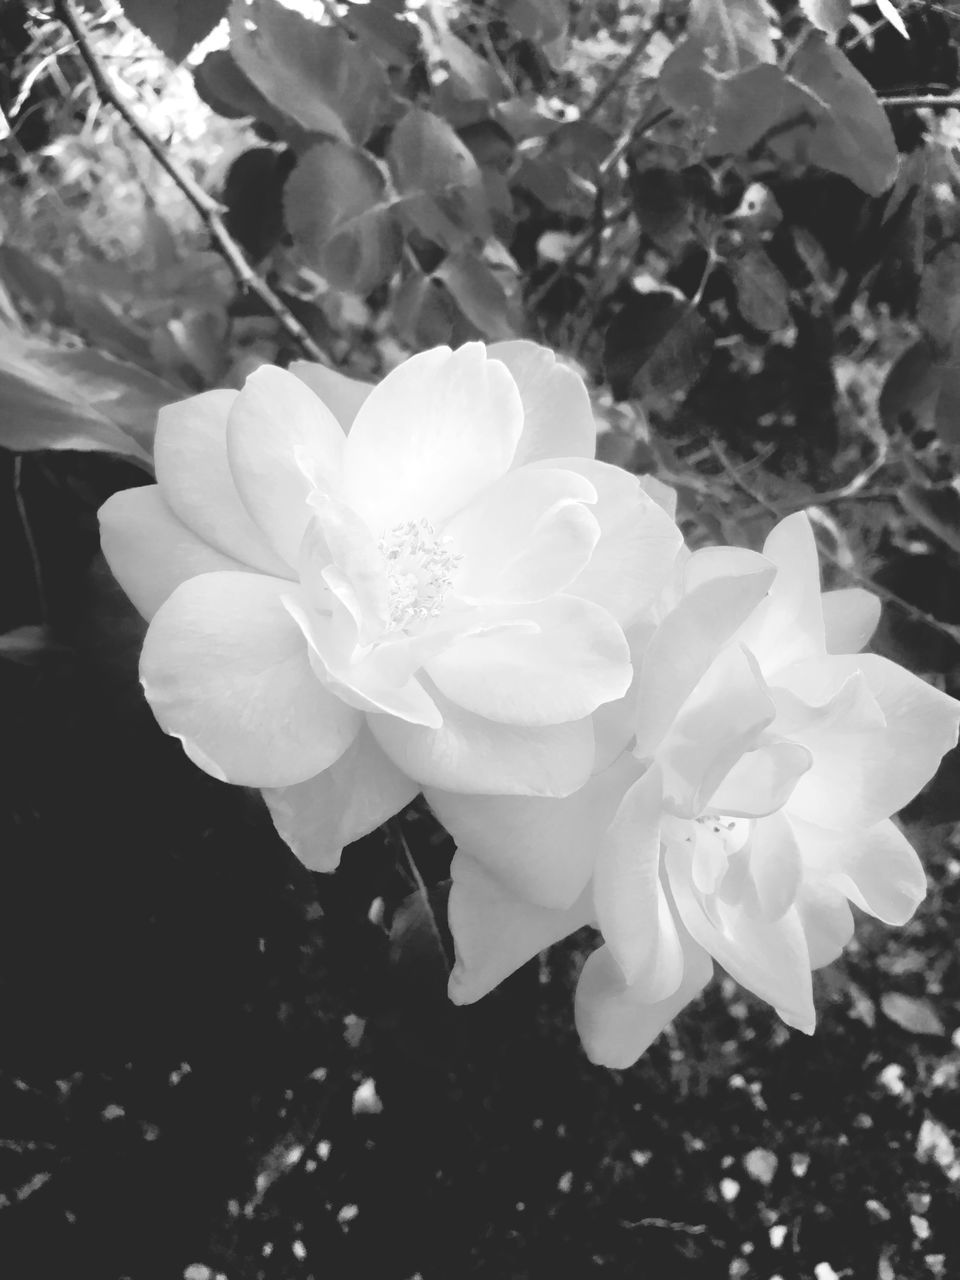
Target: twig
(29,538)
(209,210)
(619,73)
(919,100)
(862,579)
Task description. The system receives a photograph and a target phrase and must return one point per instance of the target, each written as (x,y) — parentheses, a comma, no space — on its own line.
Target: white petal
(433,434)
(225,669)
(775,865)
(850,617)
(190,453)
(769,959)
(557,416)
(540,849)
(827,922)
(862,772)
(635,556)
(494,933)
(632,909)
(790,628)
(577,659)
(664,495)
(343,396)
(615,1022)
(471,754)
(282,442)
(149,551)
(876,868)
(354,796)
(525,537)
(689,639)
(762,780)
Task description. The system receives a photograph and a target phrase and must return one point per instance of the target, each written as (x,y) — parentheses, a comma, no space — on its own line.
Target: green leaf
(892,15)
(338,214)
(853,135)
(480,295)
(544,22)
(763,295)
(657,346)
(51,398)
(426,315)
(754,103)
(734,34)
(911,389)
(175,26)
(225,89)
(938,312)
(314,74)
(946,413)
(440,184)
(916,1016)
(829,15)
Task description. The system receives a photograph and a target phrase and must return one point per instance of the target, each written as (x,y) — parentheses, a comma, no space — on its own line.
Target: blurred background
(740,222)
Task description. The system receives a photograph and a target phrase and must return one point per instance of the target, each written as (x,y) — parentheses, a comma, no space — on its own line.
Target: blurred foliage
(737,221)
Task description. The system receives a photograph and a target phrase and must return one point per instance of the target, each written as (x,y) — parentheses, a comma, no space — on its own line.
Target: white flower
(355,590)
(751,809)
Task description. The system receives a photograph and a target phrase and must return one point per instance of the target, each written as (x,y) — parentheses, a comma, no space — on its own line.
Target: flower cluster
(359,593)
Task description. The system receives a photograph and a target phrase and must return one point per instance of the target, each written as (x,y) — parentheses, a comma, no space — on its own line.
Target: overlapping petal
(343,396)
(150,552)
(282,442)
(432,435)
(850,617)
(225,670)
(348,800)
(557,417)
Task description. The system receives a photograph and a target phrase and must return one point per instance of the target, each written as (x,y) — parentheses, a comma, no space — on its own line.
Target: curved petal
(635,556)
(790,627)
(775,865)
(540,849)
(863,772)
(577,659)
(850,617)
(494,933)
(827,922)
(470,754)
(769,959)
(876,868)
(337,538)
(435,432)
(343,396)
(190,455)
(633,913)
(351,798)
(226,671)
(282,443)
(525,537)
(761,781)
(689,639)
(557,415)
(149,551)
(616,1024)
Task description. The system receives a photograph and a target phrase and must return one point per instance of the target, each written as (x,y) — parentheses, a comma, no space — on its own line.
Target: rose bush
(354,591)
(750,806)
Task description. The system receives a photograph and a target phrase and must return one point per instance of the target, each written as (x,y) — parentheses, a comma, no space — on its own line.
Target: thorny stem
(209,210)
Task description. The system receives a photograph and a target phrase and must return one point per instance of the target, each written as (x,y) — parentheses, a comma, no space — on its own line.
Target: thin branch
(208,209)
(619,73)
(919,100)
(29,539)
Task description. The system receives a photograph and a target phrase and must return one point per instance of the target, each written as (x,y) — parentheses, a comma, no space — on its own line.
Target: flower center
(420,570)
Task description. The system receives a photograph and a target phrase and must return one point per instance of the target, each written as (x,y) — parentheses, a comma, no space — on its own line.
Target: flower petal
(434,433)
(769,959)
(282,442)
(616,1024)
(862,772)
(557,415)
(827,922)
(790,627)
(577,659)
(876,868)
(761,781)
(775,865)
(190,454)
(690,637)
(526,536)
(351,798)
(149,551)
(850,617)
(471,754)
(225,669)
(494,933)
(633,913)
(343,396)
(540,849)
(635,555)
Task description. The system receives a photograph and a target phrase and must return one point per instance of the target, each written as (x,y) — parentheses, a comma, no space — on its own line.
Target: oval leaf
(916,1016)
(440,184)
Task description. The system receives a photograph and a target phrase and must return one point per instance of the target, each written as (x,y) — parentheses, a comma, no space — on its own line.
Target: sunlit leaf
(733,34)
(916,1016)
(892,15)
(829,15)
(479,294)
(440,184)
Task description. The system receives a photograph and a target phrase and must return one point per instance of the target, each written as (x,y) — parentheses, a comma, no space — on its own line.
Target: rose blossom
(356,590)
(752,807)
